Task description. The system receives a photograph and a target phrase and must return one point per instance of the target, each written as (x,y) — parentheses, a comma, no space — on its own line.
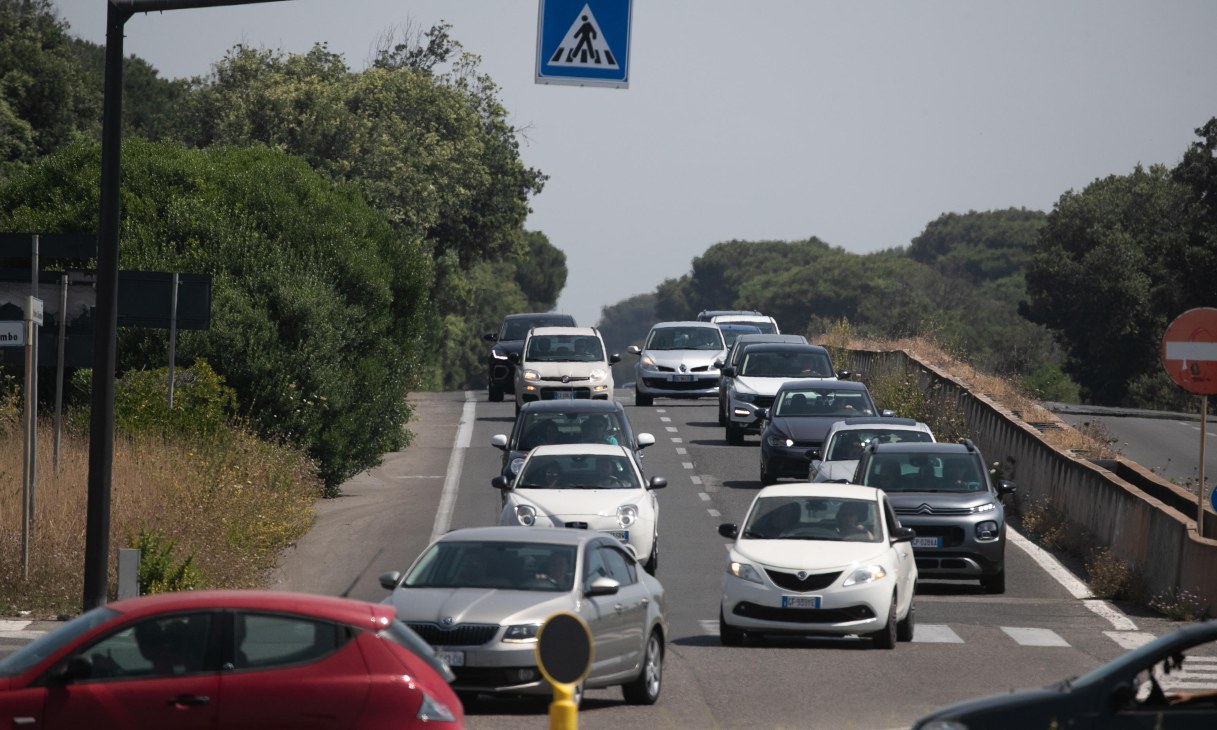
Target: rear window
(517,329)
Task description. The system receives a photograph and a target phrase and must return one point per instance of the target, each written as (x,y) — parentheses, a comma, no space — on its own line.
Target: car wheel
(728,634)
(495,394)
(885,638)
(645,689)
(735,434)
(652,563)
(722,414)
(517,408)
(642,399)
(904,629)
(767,478)
(995,583)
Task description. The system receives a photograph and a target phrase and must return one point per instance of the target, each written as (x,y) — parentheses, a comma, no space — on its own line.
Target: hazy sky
(858,122)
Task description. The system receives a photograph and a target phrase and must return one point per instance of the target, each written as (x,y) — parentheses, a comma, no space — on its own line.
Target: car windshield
(921,472)
(44,646)
(579,471)
(565,348)
(847,445)
(542,428)
(812,518)
(818,403)
(786,364)
(732,331)
(685,338)
(762,325)
(517,566)
(517,329)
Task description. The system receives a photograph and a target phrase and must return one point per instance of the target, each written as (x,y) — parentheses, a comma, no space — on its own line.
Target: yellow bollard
(563,712)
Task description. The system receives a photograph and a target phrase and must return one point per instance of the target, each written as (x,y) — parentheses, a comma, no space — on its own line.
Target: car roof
(763,337)
(573,405)
(937,447)
(745,317)
(783,347)
(860,422)
(720,312)
(533,315)
(500,533)
(685,323)
(578,449)
(345,610)
(563,331)
(826,382)
(826,490)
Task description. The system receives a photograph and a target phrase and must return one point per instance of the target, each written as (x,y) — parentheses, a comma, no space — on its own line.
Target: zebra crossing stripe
(1129,639)
(6,625)
(1034,637)
(935,634)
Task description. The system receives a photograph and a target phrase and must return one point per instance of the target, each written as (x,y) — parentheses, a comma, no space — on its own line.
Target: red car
(229,659)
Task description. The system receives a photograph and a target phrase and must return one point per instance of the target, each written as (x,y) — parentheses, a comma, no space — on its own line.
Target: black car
(1167,683)
(801,414)
(567,422)
(500,369)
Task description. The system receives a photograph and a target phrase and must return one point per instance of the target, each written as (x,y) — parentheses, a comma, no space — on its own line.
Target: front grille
(926,509)
(661,384)
(698,369)
(459,635)
(791,582)
(763,401)
(548,393)
(577,525)
(566,379)
(803,615)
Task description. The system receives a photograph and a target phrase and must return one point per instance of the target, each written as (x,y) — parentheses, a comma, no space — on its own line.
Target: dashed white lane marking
(695,479)
(18,635)
(1034,637)
(665,419)
(687,464)
(1129,639)
(704,497)
(677,440)
(935,634)
(714,513)
(6,625)
(670,429)
(709,626)
(1053,567)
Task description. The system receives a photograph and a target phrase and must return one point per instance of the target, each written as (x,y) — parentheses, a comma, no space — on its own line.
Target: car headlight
(986,507)
(868,574)
(647,363)
(515,465)
(526,515)
(744,571)
(627,514)
(776,440)
(498,354)
(986,530)
(432,710)
(531,375)
(521,633)
(598,374)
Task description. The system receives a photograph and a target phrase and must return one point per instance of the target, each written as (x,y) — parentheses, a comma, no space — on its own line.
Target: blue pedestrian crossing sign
(584,42)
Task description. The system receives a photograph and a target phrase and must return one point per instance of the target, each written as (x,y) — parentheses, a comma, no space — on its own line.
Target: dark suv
(500,369)
(567,422)
(943,491)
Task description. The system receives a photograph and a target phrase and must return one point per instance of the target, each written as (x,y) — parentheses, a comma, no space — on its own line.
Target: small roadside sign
(12,334)
(33,310)
(584,42)
(1189,350)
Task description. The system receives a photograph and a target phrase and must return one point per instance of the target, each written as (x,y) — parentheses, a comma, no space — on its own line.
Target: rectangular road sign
(12,334)
(584,42)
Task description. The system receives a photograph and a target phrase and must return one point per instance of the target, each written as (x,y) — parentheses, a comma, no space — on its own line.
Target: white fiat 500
(819,559)
(586,486)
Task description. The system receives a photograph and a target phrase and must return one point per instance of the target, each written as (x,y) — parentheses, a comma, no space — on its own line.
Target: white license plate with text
(927,542)
(800,601)
(451,658)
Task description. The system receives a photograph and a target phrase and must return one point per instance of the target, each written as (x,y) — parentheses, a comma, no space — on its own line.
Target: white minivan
(560,363)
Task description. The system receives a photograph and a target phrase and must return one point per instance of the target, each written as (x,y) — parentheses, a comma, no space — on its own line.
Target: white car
(837,460)
(677,361)
(768,325)
(819,559)
(563,363)
(586,486)
(760,372)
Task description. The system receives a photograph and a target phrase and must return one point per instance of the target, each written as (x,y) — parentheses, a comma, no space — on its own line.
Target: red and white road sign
(1189,350)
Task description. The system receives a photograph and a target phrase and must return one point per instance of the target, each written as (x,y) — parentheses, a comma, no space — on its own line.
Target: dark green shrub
(159,569)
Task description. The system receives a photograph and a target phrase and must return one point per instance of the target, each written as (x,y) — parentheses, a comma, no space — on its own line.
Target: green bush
(202,404)
(1180,605)
(159,570)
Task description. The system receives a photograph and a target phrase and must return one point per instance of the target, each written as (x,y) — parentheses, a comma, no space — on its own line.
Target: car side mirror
(812,454)
(887,413)
(844,375)
(729,371)
(614,359)
(718,364)
(490,337)
(762,414)
(389,580)
(634,350)
(499,441)
(729,529)
(644,439)
(77,668)
(603,586)
(903,534)
(500,482)
(514,357)
(1122,695)
(657,483)
(1005,486)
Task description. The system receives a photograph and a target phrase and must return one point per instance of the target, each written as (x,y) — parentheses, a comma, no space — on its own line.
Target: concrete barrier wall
(1156,535)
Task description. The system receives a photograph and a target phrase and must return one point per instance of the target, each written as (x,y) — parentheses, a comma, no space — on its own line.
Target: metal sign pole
(172,335)
(63,337)
(27,501)
(1204,427)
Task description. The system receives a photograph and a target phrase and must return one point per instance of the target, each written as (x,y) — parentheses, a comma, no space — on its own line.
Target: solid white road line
(452,480)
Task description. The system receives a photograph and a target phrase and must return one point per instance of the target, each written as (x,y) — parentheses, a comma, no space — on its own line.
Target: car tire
(907,625)
(735,434)
(642,399)
(517,408)
(494,394)
(885,638)
(644,690)
(767,478)
(652,563)
(722,413)
(995,583)
(728,634)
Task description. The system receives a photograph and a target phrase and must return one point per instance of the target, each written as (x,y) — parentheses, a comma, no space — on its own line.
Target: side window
(889,516)
(620,568)
(593,566)
(268,640)
(166,646)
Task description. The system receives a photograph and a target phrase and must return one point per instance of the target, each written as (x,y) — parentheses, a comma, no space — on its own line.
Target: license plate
(800,601)
(562,395)
(682,378)
(451,658)
(622,535)
(927,542)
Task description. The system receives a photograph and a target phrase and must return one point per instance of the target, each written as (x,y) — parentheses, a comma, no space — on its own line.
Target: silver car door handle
(646,601)
(619,608)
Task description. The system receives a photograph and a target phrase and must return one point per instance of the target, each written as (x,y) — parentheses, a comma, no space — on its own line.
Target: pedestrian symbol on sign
(584,45)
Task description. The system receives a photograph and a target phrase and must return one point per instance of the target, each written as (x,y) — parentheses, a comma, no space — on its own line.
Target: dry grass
(234,503)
